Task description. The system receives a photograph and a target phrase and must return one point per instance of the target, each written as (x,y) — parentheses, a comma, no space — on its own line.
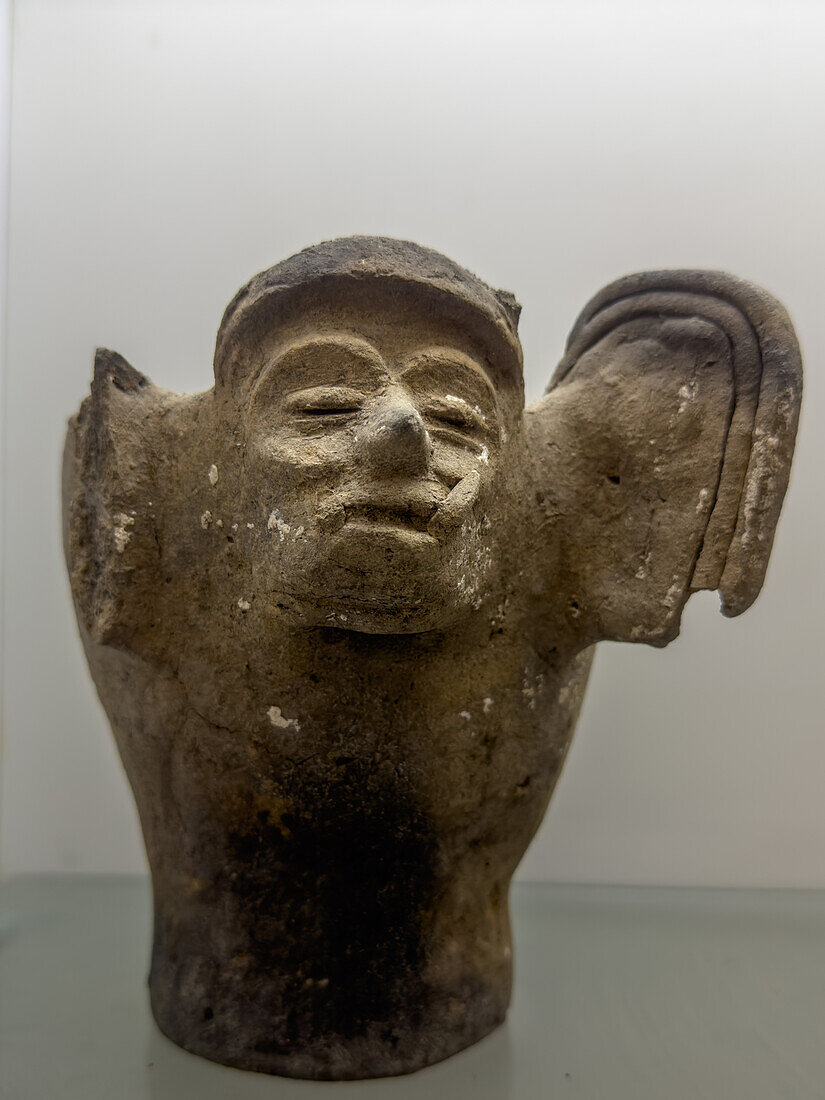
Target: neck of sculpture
(370,671)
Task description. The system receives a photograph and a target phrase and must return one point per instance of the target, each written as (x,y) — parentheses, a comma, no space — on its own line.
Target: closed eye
(454,412)
(325,401)
(328,410)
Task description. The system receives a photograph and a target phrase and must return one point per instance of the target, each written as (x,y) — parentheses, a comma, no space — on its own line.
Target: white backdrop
(163,153)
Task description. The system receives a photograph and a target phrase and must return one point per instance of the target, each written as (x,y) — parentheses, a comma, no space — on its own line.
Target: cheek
(295,459)
(452,463)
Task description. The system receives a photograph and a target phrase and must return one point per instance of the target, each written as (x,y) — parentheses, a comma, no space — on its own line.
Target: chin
(397,618)
(388,600)
(385,602)
(382,579)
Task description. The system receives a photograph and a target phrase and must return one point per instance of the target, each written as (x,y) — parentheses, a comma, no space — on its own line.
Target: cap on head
(490,315)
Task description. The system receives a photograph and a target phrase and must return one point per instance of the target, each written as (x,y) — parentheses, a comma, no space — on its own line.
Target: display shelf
(643,994)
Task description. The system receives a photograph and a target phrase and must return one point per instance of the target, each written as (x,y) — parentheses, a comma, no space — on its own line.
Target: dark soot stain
(334,897)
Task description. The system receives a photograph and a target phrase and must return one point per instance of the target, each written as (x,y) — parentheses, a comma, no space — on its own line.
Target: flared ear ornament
(671,423)
(110,498)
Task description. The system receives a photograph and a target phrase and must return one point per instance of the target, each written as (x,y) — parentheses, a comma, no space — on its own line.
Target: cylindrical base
(351,936)
(299,989)
(384,1049)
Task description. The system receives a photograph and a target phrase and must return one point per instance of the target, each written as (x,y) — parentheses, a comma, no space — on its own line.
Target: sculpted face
(376,442)
(332,817)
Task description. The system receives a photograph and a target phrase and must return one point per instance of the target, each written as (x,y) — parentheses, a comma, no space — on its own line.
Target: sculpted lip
(381,508)
(409,518)
(435,513)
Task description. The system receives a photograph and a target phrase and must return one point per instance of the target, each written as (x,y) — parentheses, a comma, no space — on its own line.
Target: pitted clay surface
(341,610)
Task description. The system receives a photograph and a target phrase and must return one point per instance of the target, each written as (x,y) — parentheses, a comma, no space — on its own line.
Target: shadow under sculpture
(341,608)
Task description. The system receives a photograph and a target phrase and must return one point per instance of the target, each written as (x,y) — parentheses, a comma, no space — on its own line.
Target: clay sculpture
(340,610)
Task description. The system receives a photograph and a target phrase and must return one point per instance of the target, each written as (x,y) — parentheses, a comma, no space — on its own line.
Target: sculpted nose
(396,442)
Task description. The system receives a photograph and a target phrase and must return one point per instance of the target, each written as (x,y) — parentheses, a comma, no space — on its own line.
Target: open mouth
(412,518)
(431,512)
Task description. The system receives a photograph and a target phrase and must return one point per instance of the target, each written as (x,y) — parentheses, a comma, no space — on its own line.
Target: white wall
(164,152)
(5,142)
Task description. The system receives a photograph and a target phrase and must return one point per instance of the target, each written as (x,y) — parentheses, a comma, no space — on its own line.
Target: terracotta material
(341,609)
